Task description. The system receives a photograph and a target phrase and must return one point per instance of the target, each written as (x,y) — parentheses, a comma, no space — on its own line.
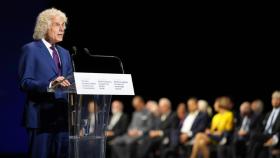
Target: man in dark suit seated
(194,122)
(118,121)
(267,137)
(117,125)
(244,125)
(160,134)
(257,109)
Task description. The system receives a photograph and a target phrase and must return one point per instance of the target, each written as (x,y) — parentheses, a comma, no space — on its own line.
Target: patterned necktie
(56,60)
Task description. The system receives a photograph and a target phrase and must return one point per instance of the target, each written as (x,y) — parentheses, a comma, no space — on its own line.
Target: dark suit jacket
(254,124)
(276,125)
(120,127)
(200,123)
(36,71)
(167,125)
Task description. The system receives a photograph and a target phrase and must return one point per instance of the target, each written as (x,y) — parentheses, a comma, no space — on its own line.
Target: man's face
(181,111)
(245,108)
(137,104)
(192,105)
(91,107)
(163,107)
(116,107)
(56,31)
(275,101)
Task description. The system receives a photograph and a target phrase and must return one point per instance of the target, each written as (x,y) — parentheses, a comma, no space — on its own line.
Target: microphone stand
(105,56)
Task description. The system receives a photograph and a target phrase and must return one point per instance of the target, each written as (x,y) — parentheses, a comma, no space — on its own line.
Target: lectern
(89,100)
(88,118)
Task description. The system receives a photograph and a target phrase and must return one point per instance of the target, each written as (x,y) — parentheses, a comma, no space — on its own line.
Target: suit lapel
(196,119)
(276,123)
(47,55)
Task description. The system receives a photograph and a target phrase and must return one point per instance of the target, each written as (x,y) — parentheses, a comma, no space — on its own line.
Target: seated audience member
(89,119)
(117,125)
(268,136)
(257,108)
(181,115)
(159,135)
(152,107)
(203,106)
(194,122)
(221,125)
(243,129)
(118,121)
(169,151)
(123,146)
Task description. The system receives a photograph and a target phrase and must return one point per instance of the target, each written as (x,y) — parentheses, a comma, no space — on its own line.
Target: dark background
(171,50)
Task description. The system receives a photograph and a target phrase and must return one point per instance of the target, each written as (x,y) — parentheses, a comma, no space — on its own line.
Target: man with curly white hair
(44,64)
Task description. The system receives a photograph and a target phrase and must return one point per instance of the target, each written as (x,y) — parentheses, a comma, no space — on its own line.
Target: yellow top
(222,122)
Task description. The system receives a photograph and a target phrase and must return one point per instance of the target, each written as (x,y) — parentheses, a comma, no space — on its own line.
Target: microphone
(105,56)
(72,55)
(75,50)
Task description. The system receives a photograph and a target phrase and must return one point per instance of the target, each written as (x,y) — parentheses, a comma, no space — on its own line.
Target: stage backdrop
(17,22)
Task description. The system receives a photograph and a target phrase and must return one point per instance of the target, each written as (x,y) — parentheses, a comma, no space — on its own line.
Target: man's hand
(184,138)
(134,133)
(109,133)
(242,133)
(154,133)
(268,143)
(60,80)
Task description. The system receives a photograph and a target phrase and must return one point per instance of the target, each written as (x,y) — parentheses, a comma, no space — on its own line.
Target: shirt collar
(117,114)
(167,114)
(276,109)
(46,43)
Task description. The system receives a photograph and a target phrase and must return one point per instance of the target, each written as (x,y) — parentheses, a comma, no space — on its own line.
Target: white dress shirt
(92,122)
(48,45)
(188,122)
(245,124)
(114,120)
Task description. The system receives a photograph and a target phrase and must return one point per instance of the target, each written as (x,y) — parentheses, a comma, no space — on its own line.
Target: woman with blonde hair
(221,124)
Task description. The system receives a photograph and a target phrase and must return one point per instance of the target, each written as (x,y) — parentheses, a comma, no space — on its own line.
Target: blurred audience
(157,132)
(268,136)
(152,107)
(203,106)
(123,146)
(221,125)
(170,150)
(181,114)
(194,122)
(243,128)
(159,135)
(118,121)
(117,125)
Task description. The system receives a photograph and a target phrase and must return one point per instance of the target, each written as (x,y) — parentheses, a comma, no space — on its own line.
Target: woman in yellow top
(221,123)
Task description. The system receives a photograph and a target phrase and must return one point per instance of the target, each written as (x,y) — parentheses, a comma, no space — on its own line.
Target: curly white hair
(44,22)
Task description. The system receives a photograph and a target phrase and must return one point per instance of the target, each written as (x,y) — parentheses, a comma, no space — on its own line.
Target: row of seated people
(192,131)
